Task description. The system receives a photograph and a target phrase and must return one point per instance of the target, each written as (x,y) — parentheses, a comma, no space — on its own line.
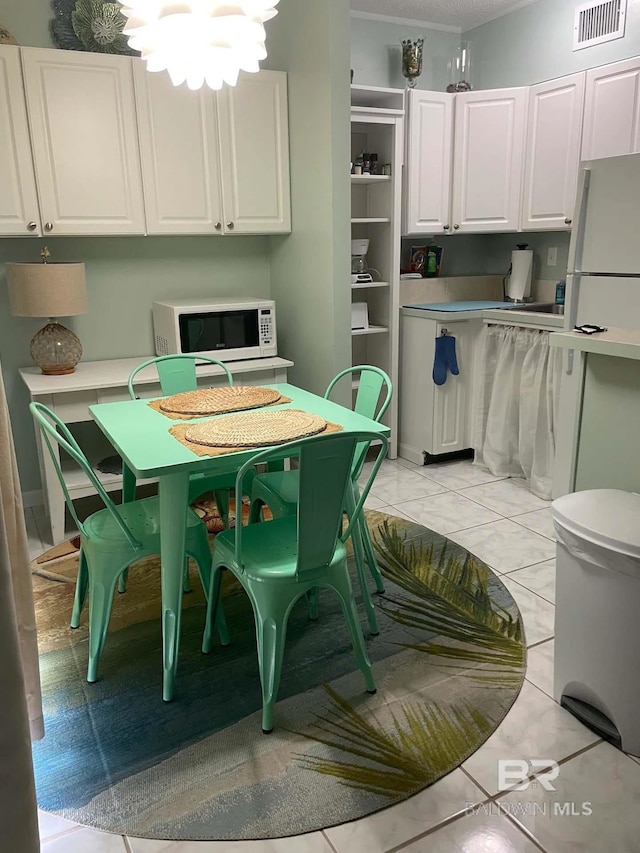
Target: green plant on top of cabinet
(85,142)
(214,163)
(552,160)
(19,212)
(612,111)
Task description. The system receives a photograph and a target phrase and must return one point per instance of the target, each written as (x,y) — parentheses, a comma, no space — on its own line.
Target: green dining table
(141,436)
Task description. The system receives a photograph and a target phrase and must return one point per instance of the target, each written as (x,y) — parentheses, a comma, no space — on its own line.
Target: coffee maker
(359,268)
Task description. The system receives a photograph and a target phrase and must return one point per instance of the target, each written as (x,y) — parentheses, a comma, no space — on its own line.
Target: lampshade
(199,40)
(47,290)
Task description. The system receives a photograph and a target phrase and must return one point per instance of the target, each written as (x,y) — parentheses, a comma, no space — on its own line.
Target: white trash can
(597,633)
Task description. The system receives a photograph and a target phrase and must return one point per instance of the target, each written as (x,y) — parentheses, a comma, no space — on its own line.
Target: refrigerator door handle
(576,248)
(571,312)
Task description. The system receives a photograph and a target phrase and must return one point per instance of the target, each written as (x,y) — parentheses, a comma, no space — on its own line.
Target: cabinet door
(85,141)
(429,157)
(18,200)
(488,160)
(452,401)
(612,111)
(553,153)
(180,155)
(254,141)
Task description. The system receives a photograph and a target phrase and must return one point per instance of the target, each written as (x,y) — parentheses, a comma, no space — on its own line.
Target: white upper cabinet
(612,111)
(19,213)
(180,155)
(254,141)
(85,141)
(429,160)
(552,159)
(488,160)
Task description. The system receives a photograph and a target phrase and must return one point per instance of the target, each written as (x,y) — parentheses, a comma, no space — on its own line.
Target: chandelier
(199,41)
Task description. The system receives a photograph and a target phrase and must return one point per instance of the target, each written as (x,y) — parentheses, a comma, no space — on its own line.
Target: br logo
(514,774)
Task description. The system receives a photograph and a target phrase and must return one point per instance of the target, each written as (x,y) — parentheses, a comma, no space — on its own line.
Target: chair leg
(255,512)
(271,615)
(344,591)
(82,585)
(186,581)
(370,554)
(222,502)
(122,582)
(103,586)
(215,614)
(128,495)
(368,544)
(358,551)
(312,601)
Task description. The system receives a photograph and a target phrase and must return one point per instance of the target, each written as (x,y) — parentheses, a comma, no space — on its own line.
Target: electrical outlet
(552,257)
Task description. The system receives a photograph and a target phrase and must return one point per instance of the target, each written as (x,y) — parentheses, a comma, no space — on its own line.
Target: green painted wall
(310,269)
(535,43)
(28,20)
(376,55)
(124,276)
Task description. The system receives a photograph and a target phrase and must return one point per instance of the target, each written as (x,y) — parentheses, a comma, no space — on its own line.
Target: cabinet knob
(218,226)
(32,226)
(568,221)
(48,226)
(446,227)
(456,227)
(230,226)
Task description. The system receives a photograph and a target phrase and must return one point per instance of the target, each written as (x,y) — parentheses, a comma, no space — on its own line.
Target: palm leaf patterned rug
(449,662)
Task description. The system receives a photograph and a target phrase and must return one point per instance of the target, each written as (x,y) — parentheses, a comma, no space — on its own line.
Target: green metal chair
(177,373)
(279,491)
(279,561)
(112,539)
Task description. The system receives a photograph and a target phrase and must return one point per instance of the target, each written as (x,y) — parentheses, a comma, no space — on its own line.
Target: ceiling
(465,14)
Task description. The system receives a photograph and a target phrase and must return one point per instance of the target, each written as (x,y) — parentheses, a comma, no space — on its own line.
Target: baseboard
(30,499)
(411,454)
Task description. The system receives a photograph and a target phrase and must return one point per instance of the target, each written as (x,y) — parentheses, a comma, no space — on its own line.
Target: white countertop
(114,373)
(506,316)
(623,343)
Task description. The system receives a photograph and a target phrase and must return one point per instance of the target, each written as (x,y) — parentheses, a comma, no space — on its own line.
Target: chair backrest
(370,386)
(325,468)
(177,373)
(53,428)
(372,381)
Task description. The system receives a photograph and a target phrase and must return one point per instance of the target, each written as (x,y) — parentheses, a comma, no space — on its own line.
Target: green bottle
(432,262)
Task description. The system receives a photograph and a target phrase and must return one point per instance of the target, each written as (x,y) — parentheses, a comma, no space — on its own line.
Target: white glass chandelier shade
(199,41)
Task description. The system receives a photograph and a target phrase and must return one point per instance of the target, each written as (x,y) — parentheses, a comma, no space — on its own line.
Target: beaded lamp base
(55,349)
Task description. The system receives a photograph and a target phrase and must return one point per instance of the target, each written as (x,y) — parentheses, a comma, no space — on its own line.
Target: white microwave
(229,329)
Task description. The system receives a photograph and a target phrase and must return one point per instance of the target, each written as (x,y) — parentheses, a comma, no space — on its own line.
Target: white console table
(106,382)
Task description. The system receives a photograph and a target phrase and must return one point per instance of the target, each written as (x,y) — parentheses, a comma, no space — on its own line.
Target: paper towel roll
(519,287)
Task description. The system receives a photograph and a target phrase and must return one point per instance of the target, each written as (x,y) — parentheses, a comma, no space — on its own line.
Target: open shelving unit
(377,125)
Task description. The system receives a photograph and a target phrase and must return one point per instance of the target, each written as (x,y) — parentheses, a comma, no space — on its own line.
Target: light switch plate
(552,257)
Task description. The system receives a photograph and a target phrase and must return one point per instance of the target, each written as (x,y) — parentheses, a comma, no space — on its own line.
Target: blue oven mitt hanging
(446,360)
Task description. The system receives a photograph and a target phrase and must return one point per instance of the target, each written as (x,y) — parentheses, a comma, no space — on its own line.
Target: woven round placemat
(256,429)
(218,401)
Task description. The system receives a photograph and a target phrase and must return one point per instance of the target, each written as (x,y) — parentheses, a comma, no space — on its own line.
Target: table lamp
(50,290)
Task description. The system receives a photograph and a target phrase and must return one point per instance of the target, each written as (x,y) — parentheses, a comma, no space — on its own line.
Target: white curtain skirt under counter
(518,395)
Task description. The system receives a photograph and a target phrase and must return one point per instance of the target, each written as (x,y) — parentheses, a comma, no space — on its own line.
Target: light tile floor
(594,806)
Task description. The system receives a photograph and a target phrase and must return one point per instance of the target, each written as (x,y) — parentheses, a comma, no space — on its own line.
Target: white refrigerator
(603,288)
(603,280)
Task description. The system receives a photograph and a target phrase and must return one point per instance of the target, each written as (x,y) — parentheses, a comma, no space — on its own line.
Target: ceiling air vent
(599,21)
